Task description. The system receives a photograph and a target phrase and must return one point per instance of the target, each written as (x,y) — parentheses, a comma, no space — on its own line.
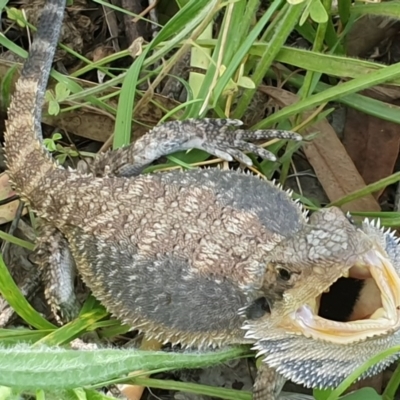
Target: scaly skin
(318,352)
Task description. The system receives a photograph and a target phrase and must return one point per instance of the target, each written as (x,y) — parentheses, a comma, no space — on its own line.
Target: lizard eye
(284,274)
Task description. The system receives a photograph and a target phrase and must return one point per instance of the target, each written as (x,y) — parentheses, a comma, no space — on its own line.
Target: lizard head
(341,305)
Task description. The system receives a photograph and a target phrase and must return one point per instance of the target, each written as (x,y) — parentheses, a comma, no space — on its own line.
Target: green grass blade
(6,84)
(336,393)
(244,49)
(123,122)
(242,23)
(19,242)
(388,8)
(221,393)
(344,8)
(182,25)
(73,86)
(308,84)
(393,385)
(283,28)
(11,293)
(340,66)
(177,28)
(5,393)
(371,188)
(73,329)
(365,104)
(125,11)
(95,395)
(334,93)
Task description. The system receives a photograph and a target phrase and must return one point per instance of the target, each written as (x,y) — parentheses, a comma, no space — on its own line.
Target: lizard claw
(216,137)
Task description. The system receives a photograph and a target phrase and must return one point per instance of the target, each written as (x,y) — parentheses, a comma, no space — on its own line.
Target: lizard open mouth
(364,302)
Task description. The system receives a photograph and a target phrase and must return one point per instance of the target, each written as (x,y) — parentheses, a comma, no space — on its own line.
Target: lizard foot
(217,138)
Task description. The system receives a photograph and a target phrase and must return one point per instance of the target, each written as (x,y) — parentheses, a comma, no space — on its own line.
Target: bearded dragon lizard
(174,254)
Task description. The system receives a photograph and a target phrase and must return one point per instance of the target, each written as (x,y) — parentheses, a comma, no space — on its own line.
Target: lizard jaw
(386,318)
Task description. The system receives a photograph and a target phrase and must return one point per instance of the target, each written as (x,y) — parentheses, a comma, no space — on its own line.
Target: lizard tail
(27,160)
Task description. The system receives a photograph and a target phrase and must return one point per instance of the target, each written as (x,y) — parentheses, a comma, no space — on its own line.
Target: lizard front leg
(53,256)
(268,384)
(214,136)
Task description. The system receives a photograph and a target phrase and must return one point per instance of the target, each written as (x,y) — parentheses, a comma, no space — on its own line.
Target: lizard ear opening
(257,309)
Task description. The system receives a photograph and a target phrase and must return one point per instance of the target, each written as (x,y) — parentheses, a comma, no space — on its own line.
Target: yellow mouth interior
(363,303)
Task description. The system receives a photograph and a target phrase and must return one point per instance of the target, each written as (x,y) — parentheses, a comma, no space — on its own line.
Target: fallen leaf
(373,144)
(8,210)
(367,32)
(331,163)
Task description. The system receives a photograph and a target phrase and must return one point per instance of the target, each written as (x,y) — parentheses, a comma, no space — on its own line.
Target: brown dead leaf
(386,93)
(96,125)
(7,211)
(134,30)
(84,123)
(367,32)
(136,48)
(373,144)
(332,165)
(101,52)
